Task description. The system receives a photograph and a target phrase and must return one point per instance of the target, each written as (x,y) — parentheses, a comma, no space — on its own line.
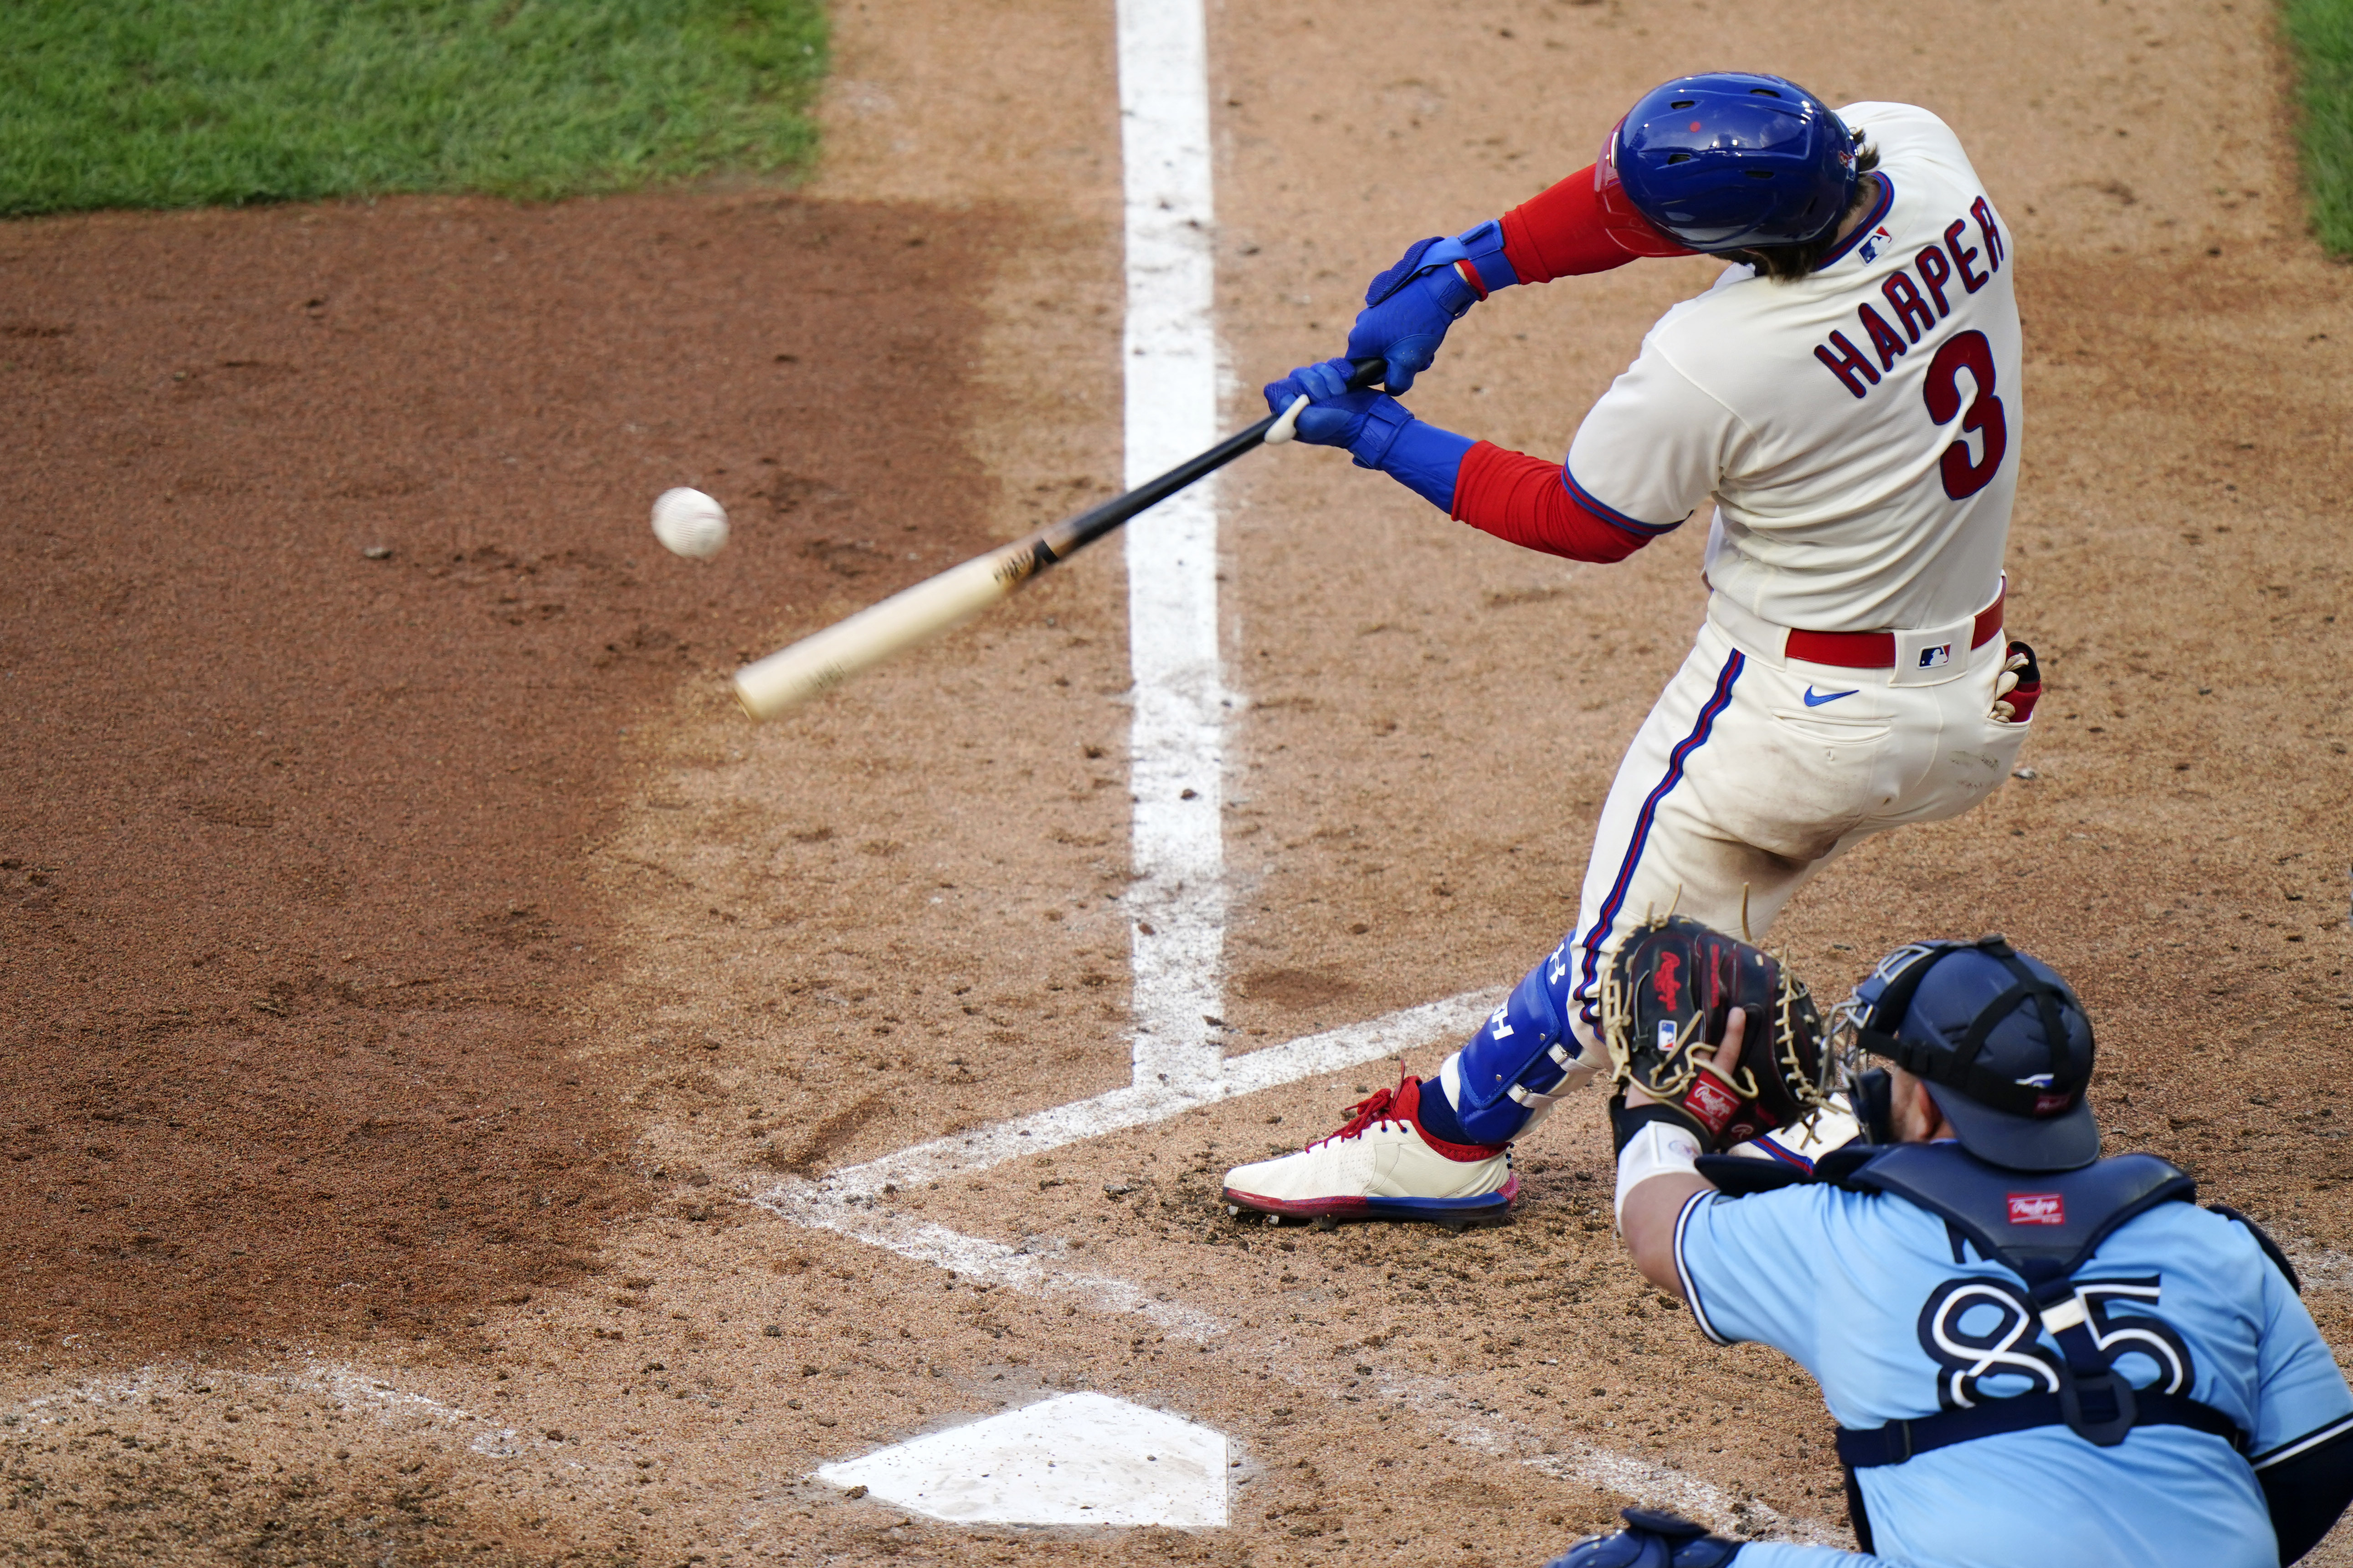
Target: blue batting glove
(1365,423)
(1375,427)
(1409,307)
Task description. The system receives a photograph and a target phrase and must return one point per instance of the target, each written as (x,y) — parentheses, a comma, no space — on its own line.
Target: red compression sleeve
(1558,234)
(1563,232)
(1521,498)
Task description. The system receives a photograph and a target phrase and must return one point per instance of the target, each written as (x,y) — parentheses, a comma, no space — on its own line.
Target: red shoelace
(1379,1107)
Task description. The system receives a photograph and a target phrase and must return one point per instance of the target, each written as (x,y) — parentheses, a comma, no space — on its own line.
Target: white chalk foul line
(990,1262)
(1310,1055)
(1177,906)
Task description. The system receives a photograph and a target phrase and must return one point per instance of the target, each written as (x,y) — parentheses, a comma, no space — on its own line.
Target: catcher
(2035,1355)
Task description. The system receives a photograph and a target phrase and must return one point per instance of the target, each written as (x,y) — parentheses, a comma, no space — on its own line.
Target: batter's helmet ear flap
(1628,229)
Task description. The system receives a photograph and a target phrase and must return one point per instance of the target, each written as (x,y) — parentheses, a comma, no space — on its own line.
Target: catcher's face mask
(1869,1087)
(1871,1095)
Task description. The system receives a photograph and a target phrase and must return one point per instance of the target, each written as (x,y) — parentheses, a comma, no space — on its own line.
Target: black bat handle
(1083,530)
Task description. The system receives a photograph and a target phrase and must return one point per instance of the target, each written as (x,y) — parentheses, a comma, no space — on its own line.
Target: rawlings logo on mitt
(1665,999)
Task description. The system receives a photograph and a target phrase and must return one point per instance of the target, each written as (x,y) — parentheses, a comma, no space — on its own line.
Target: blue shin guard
(1521,1060)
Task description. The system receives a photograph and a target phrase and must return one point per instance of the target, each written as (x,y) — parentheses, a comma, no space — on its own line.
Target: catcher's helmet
(2002,1043)
(1729,160)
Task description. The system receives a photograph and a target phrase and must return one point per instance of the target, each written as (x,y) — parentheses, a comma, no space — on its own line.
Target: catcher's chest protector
(2046,1229)
(2041,1225)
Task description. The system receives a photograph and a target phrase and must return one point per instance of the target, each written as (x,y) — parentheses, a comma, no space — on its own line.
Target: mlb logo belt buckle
(1932,656)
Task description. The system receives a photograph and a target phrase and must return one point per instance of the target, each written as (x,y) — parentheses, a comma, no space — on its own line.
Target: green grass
(169,103)
(2321,34)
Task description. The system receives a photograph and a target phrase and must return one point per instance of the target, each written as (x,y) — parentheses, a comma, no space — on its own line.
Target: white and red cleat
(1381,1165)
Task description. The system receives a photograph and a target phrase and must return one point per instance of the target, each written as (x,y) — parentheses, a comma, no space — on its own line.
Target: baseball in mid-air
(691,523)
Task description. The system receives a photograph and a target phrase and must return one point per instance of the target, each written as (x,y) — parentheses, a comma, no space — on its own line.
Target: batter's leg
(1419,1152)
(1656,848)
(1707,755)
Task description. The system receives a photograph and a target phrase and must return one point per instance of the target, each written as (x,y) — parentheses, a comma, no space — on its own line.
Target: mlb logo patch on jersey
(1936,657)
(2038,1208)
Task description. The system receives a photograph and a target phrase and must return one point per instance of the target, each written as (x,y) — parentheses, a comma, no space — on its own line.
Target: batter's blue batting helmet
(1729,160)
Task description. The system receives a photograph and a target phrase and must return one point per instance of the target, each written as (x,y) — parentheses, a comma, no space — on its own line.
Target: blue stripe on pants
(1719,700)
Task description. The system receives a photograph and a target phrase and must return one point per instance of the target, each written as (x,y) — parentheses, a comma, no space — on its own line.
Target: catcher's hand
(1670,992)
(1711,1106)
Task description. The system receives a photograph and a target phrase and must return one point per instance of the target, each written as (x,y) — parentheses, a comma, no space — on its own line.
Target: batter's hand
(2019,686)
(1365,423)
(1409,307)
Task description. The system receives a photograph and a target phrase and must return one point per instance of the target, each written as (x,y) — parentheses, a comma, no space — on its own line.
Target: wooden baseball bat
(824,660)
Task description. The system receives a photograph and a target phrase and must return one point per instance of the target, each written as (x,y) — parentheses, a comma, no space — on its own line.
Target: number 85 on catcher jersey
(1866,1293)
(1859,427)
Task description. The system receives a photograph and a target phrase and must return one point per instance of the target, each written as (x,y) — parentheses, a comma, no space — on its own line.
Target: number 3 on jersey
(1967,351)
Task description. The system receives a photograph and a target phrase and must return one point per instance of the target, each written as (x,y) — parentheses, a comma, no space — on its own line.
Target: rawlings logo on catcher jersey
(2038,1208)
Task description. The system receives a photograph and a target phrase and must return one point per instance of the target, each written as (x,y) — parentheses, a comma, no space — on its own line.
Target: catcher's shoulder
(1741,1176)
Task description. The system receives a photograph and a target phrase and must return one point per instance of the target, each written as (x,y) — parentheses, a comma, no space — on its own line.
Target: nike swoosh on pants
(1813,700)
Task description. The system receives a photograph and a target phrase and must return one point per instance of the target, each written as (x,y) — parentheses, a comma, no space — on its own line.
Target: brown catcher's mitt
(1665,999)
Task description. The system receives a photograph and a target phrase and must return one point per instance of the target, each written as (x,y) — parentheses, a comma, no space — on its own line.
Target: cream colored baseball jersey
(1859,428)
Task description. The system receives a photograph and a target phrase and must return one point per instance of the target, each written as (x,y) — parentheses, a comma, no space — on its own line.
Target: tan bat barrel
(823,660)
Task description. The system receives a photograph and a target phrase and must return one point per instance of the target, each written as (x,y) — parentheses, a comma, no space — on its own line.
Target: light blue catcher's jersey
(1865,1292)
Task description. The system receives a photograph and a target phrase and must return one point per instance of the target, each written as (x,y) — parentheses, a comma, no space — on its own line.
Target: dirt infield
(330,617)
(413,973)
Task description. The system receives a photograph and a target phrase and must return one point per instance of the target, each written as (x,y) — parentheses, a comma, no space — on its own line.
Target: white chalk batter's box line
(850,1203)
(350,1388)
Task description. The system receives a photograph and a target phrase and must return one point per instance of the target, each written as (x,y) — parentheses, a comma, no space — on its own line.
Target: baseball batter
(1847,392)
(2034,1356)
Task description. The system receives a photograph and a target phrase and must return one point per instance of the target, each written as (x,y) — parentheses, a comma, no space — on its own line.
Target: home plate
(1080,1458)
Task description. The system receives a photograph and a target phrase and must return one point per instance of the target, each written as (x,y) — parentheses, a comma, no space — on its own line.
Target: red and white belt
(1849,650)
